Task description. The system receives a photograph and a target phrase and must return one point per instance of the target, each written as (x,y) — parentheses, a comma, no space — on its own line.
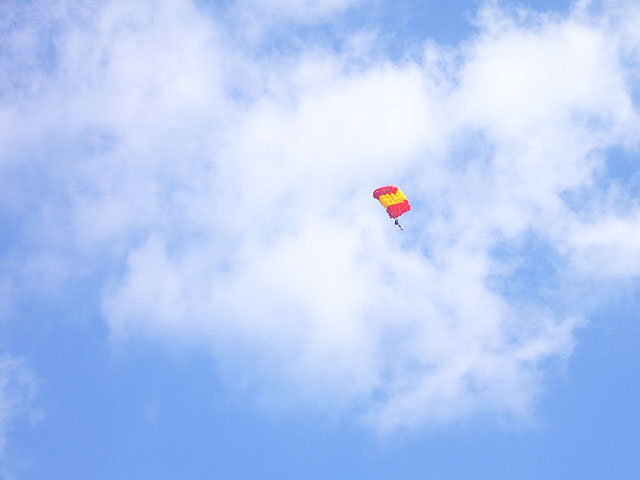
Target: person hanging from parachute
(394,202)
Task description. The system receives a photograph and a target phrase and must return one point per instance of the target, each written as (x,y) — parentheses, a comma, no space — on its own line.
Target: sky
(195,281)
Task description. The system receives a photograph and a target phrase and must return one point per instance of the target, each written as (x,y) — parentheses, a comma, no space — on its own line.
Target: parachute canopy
(393,200)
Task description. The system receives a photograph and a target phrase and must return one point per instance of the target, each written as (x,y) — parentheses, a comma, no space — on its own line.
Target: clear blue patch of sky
(622,164)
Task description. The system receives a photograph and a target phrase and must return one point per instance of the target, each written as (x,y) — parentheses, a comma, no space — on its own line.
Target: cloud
(226,199)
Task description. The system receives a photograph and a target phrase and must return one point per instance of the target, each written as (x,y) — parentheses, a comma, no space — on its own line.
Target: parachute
(393,200)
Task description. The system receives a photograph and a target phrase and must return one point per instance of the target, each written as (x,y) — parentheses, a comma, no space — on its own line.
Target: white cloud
(608,247)
(236,195)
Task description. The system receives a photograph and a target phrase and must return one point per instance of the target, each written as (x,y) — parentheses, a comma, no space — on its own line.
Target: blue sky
(195,281)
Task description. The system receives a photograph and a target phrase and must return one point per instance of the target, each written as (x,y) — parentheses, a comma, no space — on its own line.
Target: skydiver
(398,224)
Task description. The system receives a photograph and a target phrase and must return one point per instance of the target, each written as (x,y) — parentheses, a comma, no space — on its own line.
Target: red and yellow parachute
(393,200)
